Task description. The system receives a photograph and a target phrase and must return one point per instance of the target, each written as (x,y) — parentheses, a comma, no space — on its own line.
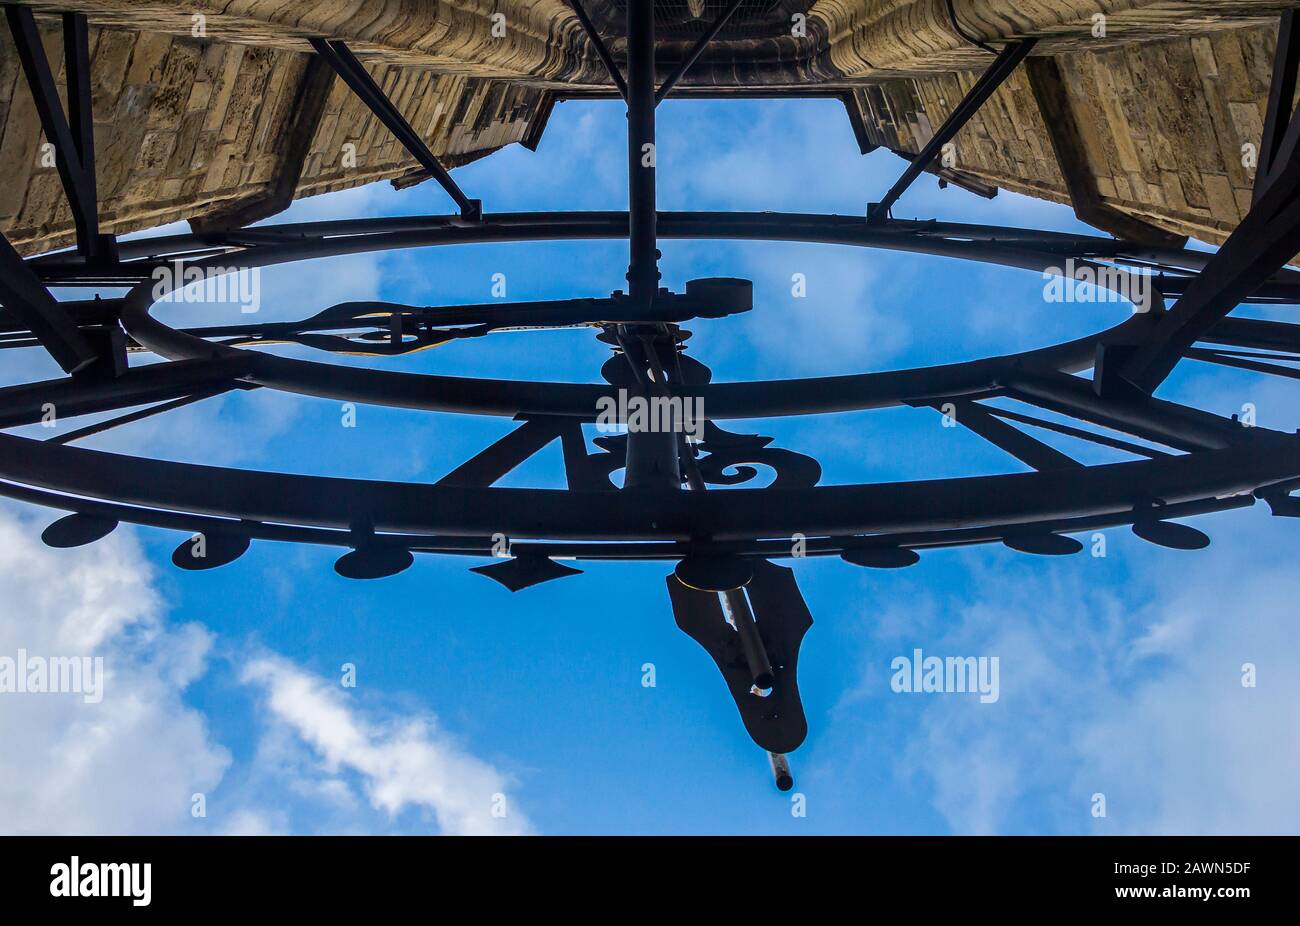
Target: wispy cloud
(1130,689)
(130,763)
(133,762)
(402,762)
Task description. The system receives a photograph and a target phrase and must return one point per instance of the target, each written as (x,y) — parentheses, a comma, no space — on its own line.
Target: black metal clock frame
(725,590)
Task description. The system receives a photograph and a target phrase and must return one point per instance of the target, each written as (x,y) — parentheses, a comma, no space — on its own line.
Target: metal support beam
(495,461)
(73,134)
(997,73)
(1281,93)
(76,63)
(957,178)
(1255,334)
(354,74)
(1150,419)
(1242,362)
(643,269)
(154,382)
(698,49)
(23,295)
(100,427)
(652,456)
(1091,436)
(1026,449)
(599,44)
(1072,157)
(82,312)
(1262,243)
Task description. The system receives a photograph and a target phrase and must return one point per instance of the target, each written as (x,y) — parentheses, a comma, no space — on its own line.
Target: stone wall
(203,127)
(536,39)
(542,42)
(881,38)
(187,127)
(1163,124)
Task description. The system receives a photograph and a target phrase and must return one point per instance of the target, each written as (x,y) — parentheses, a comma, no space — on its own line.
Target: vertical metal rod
(652,461)
(643,268)
(72,135)
(781,771)
(652,458)
(76,62)
(652,454)
(751,644)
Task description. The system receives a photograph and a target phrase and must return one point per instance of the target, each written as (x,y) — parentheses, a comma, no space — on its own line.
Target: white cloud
(1132,690)
(247,822)
(403,762)
(130,763)
(836,327)
(1191,750)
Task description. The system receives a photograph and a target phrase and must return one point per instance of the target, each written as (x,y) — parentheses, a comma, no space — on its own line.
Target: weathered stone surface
(194,100)
(186,127)
(1165,126)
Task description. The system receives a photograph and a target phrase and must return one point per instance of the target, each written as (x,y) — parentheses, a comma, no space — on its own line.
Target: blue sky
(1119,675)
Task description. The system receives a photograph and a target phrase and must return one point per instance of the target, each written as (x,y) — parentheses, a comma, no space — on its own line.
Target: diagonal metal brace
(1264,240)
(602,51)
(354,74)
(1280,128)
(25,296)
(74,143)
(1028,450)
(1258,248)
(994,77)
(698,49)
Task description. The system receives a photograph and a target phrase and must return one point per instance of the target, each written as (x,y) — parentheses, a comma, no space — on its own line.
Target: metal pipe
(736,604)
(354,74)
(781,771)
(1151,419)
(643,269)
(651,454)
(100,427)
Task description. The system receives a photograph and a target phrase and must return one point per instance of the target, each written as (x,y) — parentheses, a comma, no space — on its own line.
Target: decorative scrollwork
(729,459)
(727,455)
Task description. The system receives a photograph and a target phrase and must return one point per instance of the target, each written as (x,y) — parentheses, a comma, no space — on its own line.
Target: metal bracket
(775,722)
